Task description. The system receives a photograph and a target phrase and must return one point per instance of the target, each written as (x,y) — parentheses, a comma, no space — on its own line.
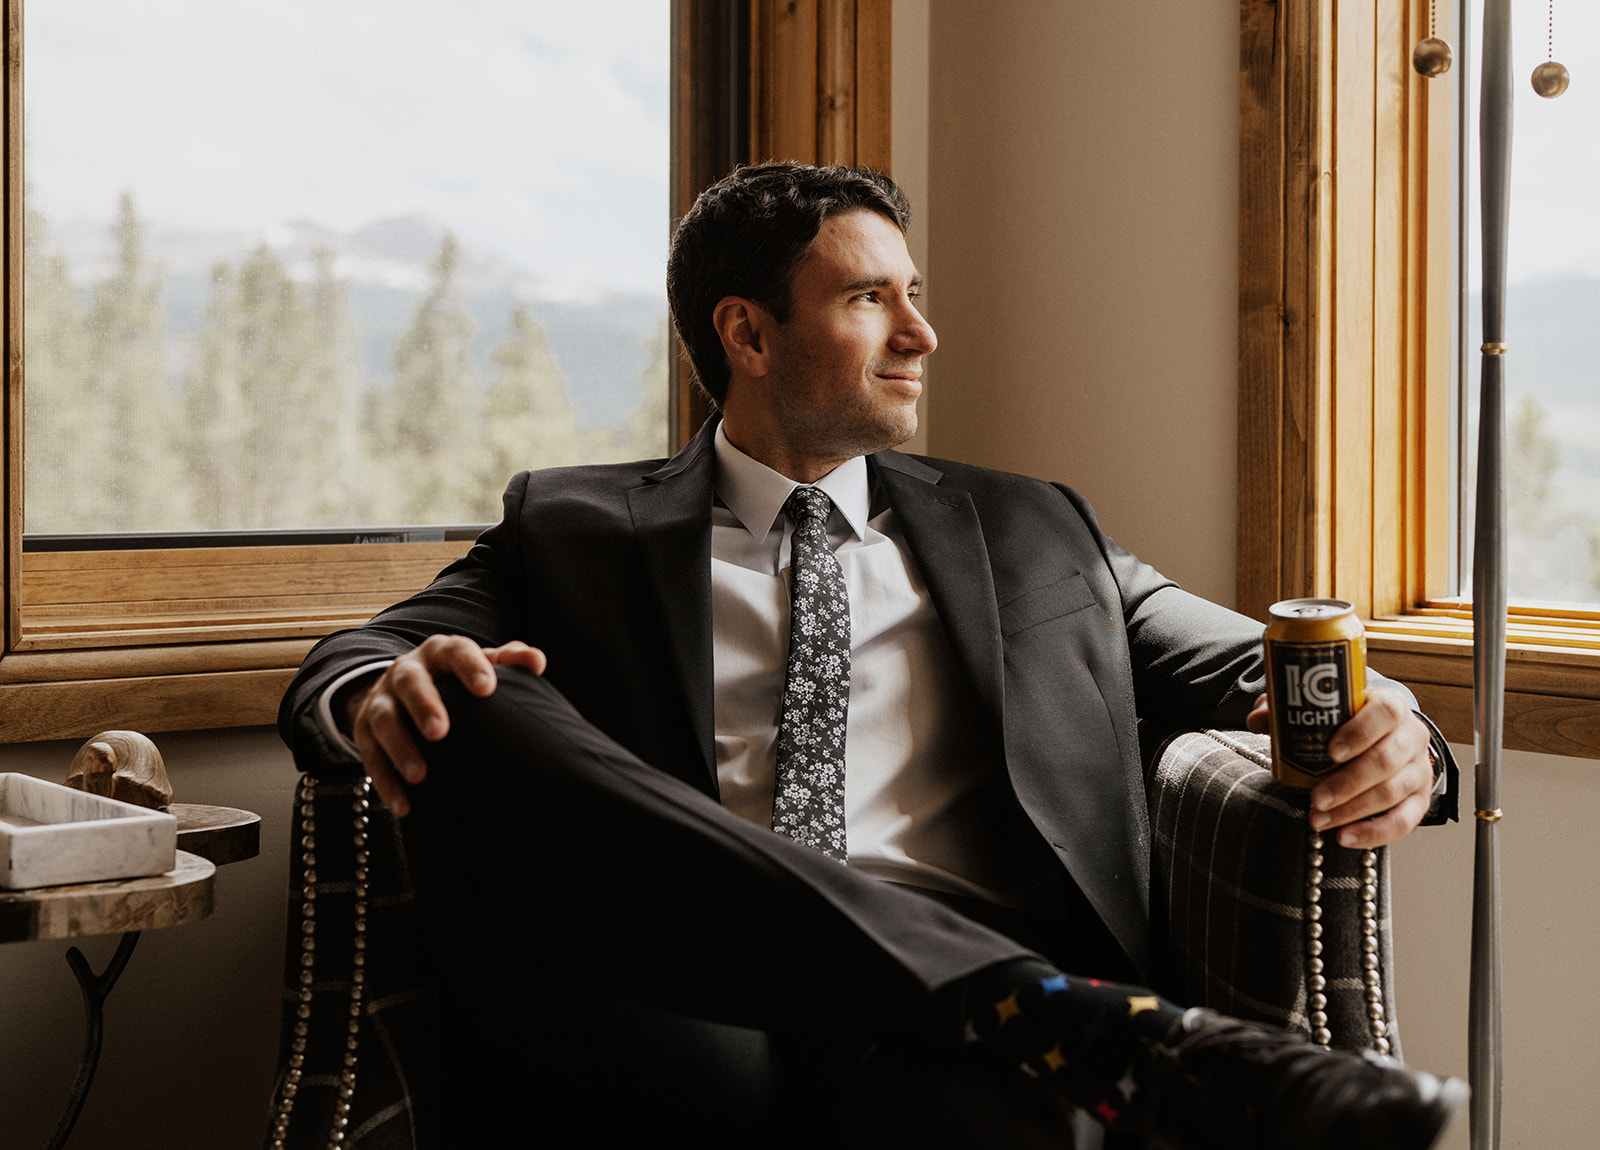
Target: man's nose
(915,334)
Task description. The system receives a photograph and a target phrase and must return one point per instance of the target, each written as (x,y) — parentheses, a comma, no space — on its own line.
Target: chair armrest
(1231,873)
(359,1048)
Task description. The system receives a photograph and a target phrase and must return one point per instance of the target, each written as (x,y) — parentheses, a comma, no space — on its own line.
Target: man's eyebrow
(877,282)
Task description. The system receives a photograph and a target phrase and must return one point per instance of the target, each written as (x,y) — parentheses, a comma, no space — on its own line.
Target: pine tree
(642,433)
(1554,547)
(430,420)
(55,374)
(129,464)
(531,421)
(338,493)
(272,401)
(214,424)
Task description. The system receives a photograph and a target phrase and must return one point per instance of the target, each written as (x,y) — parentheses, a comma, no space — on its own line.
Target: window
(1348,213)
(372,273)
(169,638)
(1553,298)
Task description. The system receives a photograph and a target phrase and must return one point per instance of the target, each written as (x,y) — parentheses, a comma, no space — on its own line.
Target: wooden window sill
(1552,702)
(187,639)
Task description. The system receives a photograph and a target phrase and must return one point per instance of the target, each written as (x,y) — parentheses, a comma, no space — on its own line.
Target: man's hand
(1385,785)
(378,712)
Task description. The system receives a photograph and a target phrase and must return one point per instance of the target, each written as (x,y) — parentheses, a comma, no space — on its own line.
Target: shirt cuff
(324,708)
(1446,798)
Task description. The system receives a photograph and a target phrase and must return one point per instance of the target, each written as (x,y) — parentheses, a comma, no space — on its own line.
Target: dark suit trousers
(582,907)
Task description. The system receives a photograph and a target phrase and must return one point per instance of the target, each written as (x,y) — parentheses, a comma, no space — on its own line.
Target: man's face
(847,365)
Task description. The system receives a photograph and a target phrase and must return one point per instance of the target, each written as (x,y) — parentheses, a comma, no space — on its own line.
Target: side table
(207,837)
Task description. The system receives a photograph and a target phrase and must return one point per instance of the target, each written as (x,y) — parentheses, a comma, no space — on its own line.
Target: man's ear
(744,326)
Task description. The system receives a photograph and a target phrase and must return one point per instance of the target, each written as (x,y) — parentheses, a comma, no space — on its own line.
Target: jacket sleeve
(1194,664)
(479,596)
(1197,665)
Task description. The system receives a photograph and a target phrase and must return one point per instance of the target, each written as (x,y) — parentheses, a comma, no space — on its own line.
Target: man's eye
(869,296)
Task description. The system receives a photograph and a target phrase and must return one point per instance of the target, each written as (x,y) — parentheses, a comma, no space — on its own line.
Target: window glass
(337,263)
(1552,310)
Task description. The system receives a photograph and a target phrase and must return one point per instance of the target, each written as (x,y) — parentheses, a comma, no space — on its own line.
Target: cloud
(512,121)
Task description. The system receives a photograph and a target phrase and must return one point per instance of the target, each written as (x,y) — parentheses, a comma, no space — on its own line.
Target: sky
(1555,183)
(536,129)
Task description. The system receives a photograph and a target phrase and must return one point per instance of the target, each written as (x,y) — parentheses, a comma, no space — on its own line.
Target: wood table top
(221,834)
(182,895)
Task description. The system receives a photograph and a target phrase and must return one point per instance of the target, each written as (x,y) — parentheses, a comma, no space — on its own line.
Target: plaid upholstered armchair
(1255,918)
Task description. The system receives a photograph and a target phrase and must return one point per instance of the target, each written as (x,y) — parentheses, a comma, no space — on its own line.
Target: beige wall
(1073,170)
(1550,877)
(1081,214)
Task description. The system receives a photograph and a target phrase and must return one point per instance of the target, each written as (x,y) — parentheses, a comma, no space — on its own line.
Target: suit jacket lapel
(946,540)
(672,521)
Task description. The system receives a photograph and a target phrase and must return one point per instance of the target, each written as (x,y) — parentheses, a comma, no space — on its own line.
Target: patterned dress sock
(1088,1040)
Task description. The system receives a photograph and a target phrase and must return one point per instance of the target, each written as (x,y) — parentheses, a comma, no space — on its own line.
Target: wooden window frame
(162,640)
(1346,249)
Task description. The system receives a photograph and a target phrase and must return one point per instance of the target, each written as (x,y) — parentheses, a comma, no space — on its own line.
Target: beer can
(1316,655)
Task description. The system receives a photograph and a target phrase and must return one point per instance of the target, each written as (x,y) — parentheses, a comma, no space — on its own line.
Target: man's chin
(898,431)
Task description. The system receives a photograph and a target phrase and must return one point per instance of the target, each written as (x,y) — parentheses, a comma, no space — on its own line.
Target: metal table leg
(95,988)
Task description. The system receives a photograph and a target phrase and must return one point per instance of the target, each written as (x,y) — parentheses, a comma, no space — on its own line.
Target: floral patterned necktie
(808,798)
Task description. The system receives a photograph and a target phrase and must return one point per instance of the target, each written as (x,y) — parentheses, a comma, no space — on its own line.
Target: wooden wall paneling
(1311,389)
(710,95)
(1284,281)
(147,662)
(711,134)
(1430,300)
(1355,369)
(836,82)
(1391,365)
(820,81)
(1332,408)
(34,711)
(873,82)
(11,295)
(1552,684)
(76,599)
(1263,319)
(783,80)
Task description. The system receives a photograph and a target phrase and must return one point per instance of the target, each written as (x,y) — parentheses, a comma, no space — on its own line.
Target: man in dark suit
(590,714)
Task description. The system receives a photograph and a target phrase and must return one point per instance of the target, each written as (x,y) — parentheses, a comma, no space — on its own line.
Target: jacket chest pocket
(1043,604)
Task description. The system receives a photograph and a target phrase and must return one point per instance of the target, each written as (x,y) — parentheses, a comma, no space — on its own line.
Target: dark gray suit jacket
(1066,639)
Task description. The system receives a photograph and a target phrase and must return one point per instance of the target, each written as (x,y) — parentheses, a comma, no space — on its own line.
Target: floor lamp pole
(1489,580)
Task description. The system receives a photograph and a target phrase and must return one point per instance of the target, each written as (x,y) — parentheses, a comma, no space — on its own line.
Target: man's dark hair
(746,235)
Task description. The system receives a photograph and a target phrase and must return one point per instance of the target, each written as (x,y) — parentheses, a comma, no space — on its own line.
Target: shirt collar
(756,494)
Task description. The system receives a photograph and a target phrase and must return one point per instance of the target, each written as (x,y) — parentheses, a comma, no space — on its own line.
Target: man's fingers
(453,655)
(384,737)
(381,769)
(1389,827)
(409,683)
(1383,716)
(517,654)
(1366,792)
(405,702)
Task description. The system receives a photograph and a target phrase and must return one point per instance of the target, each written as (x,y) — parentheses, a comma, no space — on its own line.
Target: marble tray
(51,834)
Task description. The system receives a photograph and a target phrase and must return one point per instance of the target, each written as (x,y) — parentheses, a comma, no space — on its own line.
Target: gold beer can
(1316,654)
